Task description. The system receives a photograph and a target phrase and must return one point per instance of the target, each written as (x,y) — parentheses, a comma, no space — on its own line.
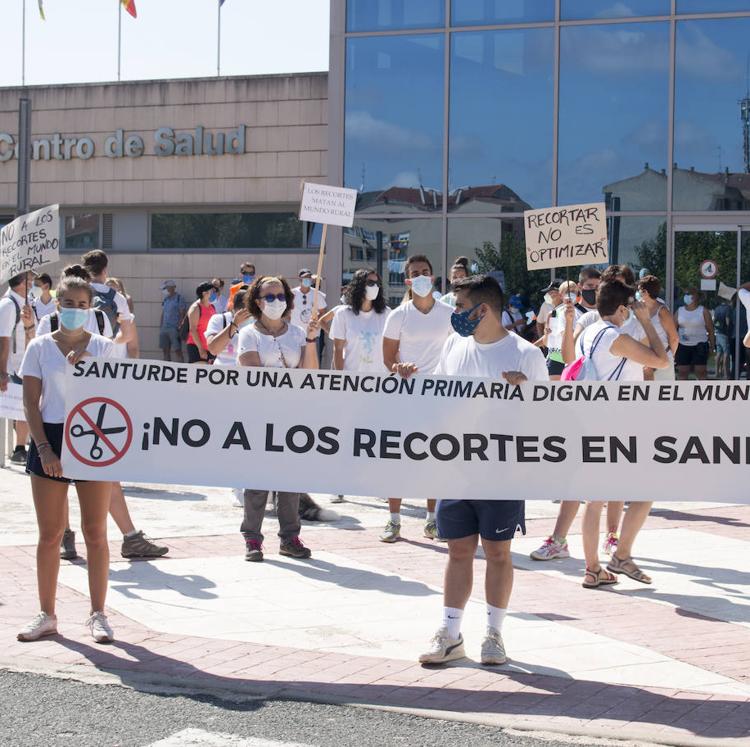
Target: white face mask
(274,310)
(548,300)
(572,297)
(372,292)
(422,285)
(35,292)
(688,299)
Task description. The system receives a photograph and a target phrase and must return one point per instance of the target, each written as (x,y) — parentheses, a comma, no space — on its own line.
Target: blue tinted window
(578,9)
(479,12)
(711,6)
(614,90)
(712,109)
(382,15)
(501,140)
(394,122)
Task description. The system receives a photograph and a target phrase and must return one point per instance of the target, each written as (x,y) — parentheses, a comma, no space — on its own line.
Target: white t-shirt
(510,317)
(45,361)
(544,311)
(216,324)
(363,334)
(421,336)
(8,314)
(464,356)
(632,327)
(609,367)
(556,326)
(221,303)
(42,309)
(691,326)
(92,325)
(121,303)
(303,303)
(284,351)
(744,296)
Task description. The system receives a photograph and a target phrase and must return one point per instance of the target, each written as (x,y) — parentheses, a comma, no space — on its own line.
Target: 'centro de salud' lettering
(165,142)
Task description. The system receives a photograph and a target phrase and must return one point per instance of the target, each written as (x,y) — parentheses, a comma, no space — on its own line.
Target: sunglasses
(270,298)
(372,283)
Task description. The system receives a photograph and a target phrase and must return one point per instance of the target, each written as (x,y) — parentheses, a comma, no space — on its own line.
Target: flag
(41,9)
(129,5)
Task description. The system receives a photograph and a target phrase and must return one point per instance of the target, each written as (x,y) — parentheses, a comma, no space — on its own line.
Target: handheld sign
(566,236)
(332,206)
(30,241)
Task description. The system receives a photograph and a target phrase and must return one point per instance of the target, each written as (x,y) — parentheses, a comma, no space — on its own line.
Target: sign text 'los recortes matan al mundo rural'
(165,141)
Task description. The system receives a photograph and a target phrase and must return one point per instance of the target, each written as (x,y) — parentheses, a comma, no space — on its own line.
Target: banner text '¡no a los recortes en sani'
(166,142)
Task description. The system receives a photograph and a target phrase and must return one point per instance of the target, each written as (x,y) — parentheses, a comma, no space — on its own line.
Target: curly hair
(252,297)
(355,292)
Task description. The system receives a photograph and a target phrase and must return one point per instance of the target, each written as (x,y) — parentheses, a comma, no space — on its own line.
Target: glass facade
(456,116)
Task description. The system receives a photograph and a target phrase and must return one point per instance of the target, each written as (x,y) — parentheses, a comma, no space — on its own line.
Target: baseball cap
(554,285)
(168,284)
(304,271)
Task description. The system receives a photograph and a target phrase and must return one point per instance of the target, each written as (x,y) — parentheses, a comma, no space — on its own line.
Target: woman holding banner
(43,371)
(274,342)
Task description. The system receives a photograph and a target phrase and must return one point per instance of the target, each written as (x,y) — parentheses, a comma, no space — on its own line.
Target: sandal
(629,568)
(599,577)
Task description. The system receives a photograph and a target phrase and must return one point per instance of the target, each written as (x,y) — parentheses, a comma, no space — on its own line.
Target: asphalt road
(37,710)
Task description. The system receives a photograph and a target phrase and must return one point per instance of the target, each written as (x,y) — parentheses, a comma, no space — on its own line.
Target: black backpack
(105,301)
(15,326)
(723,321)
(54,321)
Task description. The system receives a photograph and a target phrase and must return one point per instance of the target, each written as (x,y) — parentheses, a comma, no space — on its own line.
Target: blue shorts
(722,344)
(496,521)
(169,338)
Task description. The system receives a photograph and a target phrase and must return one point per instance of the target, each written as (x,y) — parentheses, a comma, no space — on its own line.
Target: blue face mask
(73,319)
(307,282)
(213,296)
(247,278)
(462,324)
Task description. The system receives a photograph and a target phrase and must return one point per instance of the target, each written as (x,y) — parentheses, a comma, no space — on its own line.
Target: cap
(553,286)
(304,271)
(168,284)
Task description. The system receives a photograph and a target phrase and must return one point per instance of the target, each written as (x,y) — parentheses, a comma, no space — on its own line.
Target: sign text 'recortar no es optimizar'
(164,141)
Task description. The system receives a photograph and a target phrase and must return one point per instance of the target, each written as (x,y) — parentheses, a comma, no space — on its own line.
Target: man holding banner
(480,346)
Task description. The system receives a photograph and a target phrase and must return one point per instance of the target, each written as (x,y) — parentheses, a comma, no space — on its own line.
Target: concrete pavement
(668,663)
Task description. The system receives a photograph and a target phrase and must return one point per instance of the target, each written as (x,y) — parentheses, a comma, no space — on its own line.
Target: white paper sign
(331,205)
(426,437)
(30,242)
(726,291)
(566,236)
(11,402)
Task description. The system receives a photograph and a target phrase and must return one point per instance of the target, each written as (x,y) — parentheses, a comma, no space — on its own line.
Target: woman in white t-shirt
(274,342)
(697,340)
(649,290)
(43,371)
(617,357)
(222,333)
(357,329)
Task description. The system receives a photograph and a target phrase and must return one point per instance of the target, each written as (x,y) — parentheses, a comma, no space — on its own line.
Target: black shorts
(493,520)
(194,356)
(54,433)
(692,355)
(555,368)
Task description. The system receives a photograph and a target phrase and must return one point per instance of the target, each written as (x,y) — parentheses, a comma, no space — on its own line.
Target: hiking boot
(430,530)
(253,551)
(101,630)
(293,548)
(68,545)
(551,549)
(19,455)
(443,649)
(43,624)
(391,533)
(140,546)
(493,649)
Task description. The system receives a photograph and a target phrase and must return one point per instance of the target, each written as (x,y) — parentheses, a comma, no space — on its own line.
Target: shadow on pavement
(163,495)
(152,577)
(673,515)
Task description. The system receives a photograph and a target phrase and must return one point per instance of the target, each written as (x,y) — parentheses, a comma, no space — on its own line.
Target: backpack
(105,301)
(723,320)
(15,326)
(584,368)
(54,321)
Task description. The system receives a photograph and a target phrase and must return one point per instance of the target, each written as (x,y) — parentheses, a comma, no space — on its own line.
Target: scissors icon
(96,452)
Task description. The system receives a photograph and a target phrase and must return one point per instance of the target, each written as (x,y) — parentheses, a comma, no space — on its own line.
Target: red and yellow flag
(129,5)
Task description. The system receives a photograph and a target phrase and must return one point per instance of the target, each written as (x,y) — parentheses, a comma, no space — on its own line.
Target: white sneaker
(238,497)
(493,649)
(101,631)
(551,549)
(43,624)
(443,649)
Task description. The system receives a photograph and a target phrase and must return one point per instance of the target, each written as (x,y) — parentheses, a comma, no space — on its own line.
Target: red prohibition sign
(99,432)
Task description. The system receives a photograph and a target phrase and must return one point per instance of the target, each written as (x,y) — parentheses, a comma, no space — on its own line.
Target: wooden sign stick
(319,271)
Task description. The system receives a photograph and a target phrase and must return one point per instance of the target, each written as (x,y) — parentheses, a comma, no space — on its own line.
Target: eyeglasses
(372,283)
(270,298)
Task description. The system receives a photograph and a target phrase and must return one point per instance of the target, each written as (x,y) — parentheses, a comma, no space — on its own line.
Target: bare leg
(498,579)
(565,517)
(701,372)
(22,432)
(431,503)
(178,355)
(634,519)
(459,573)
(591,518)
(49,503)
(614,514)
(394,505)
(166,354)
(683,373)
(119,510)
(94,498)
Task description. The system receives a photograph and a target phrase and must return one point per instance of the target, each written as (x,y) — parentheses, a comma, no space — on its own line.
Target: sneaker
(253,551)
(19,455)
(493,649)
(43,624)
(293,548)
(68,545)
(610,543)
(101,631)
(391,533)
(443,649)
(551,549)
(430,530)
(140,546)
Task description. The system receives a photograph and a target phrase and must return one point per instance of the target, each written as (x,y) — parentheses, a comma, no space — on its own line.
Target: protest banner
(425,437)
(327,205)
(11,402)
(566,236)
(30,242)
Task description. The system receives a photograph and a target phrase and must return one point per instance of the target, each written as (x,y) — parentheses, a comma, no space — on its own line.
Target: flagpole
(218,43)
(119,37)
(23,44)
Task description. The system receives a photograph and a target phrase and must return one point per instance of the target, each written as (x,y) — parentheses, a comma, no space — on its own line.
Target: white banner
(11,402)
(439,437)
(331,205)
(30,242)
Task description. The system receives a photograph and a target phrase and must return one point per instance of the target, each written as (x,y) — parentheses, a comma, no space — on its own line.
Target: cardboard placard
(333,206)
(30,242)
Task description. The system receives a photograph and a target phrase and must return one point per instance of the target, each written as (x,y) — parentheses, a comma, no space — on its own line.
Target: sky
(169,39)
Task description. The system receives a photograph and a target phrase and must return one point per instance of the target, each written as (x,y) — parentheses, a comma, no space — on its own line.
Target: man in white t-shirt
(413,337)
(44,302)
(744,295)
(481,346)
(16,329)
(112,302)
(304,297)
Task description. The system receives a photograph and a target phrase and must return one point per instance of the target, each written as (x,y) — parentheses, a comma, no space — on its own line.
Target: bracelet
(43,444)
(314,339)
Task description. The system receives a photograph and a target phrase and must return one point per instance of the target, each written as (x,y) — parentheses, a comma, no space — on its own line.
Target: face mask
(572,297)
(73,319)
(212,296)
(306,282)
(688,299)
(35,292)
(589,296)
(422,285)
(462,324)
(247,278)
(548,300)
(372,292)
(638,296)
(274,310)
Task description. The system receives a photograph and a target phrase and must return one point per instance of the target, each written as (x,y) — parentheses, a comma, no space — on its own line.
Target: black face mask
(589,296)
